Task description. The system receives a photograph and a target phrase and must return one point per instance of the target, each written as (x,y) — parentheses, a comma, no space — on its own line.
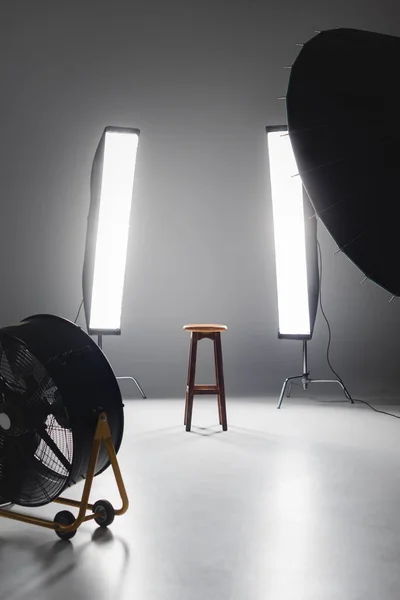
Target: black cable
(328,360)
(79,312)
(383,412)
(346,392)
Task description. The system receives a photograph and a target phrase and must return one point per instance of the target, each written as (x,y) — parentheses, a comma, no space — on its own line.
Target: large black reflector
(343,119)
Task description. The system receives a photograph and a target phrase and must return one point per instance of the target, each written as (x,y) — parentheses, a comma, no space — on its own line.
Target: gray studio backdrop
(201,79)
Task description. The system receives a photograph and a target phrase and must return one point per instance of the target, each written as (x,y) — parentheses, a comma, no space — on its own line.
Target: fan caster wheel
(65,518)
(105,511)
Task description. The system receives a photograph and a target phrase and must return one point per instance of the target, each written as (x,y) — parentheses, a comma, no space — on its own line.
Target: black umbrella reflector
(344,124)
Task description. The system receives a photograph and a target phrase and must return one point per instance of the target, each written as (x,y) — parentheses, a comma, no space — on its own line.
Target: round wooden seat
(205,328)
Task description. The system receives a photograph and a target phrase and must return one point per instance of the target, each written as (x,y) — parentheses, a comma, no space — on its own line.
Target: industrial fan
(61,421)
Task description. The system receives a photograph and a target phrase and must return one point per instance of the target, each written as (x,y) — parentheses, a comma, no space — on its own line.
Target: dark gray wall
(201,80)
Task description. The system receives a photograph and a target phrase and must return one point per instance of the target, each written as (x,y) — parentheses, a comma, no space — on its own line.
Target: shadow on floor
(206,431)
(38,567)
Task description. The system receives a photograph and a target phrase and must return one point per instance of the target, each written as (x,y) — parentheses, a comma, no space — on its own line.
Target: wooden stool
(199,332)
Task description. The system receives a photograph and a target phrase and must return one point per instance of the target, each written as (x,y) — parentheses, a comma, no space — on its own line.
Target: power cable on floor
(346,392)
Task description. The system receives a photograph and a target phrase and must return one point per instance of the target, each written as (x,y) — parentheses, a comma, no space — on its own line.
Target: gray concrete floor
(301,503)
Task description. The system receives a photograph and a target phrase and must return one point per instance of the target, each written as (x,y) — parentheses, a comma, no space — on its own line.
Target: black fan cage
(54,382)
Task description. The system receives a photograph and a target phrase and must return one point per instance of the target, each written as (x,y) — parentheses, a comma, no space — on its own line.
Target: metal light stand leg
(135,381)
(306,380)
(288,381)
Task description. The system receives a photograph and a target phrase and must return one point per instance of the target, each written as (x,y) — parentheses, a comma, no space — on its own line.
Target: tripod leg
(282,392)
(135,381)
(288,382)
(139,387)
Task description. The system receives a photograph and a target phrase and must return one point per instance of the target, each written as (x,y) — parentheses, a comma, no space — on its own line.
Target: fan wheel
(105,513)
(64,518)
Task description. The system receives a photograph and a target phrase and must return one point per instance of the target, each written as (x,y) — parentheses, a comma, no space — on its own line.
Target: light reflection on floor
(291,504)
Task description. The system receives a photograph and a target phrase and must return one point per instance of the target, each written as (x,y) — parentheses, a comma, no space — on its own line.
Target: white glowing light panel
(289,234)
(113,225)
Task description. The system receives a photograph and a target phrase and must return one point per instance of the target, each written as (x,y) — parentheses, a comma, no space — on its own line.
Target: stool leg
(191,380)
(217,378)
(186,406)
(219,409)
(221,383)
(188,377)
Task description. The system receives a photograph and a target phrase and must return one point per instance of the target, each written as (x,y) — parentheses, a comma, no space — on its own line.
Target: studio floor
(301,503)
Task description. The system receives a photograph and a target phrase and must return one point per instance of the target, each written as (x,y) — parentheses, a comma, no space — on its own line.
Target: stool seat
(205,328)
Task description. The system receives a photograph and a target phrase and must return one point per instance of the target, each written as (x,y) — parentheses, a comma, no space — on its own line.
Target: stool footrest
(205,389)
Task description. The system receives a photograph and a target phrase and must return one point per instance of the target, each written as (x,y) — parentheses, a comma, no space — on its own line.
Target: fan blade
(15,467)
(37,399)
(17,362)
(36,385)
(54,448)
(32,475)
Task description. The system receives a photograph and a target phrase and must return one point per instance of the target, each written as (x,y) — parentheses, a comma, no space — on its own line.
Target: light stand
(130,377)
(111,189)
(295,234)
(306,380)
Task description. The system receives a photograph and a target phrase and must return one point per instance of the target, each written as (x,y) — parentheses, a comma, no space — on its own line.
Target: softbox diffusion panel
(286,201)
(92,224)
(343,119)
(111,188)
